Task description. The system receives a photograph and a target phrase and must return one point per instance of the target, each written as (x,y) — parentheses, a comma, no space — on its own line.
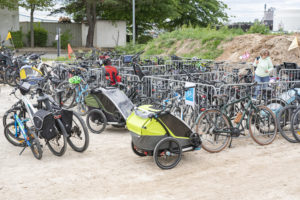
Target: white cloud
(248,10)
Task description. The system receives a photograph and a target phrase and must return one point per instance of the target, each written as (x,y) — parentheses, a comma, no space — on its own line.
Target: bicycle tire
(282,121)
(101,118)
(11,137)
(35,146)
(213,135)
(8,77)
(85,133)
(137,151)
(71,94)
(59,136)
(295,121)
(160,151)
(263,133)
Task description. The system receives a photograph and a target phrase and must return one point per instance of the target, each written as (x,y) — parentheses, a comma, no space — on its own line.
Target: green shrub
(65,39)
(143,39)
(40,36)
(17,38)
(259,28)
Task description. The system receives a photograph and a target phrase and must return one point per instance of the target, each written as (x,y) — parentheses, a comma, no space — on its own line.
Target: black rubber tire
(72,95)
(85,132)
(205,119)
(295,121)
(136,150)
(254,116)
(7,116)
(35,147)
(158,152)
(103,119)
(288,112)
(61,134)
(8,77)
(11,138)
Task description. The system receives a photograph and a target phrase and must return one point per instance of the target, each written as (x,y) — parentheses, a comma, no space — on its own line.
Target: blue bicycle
(74,92)
(18,134)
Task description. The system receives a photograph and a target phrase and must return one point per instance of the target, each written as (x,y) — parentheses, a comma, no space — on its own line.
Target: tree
(165,14)
(34,5)
(10,4)
(83,10)
(198,13)
(91,17)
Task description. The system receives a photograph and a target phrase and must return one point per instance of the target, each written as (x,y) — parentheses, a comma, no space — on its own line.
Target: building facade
(9,22)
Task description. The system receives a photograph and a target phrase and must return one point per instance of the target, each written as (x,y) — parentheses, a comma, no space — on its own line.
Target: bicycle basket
(44,122)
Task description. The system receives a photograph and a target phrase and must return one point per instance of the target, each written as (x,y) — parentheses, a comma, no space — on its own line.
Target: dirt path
(110,170)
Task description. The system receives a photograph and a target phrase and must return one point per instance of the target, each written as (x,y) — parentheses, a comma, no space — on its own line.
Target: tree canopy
(166,14)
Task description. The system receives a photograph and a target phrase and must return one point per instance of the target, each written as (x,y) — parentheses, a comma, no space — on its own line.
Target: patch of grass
(210,39)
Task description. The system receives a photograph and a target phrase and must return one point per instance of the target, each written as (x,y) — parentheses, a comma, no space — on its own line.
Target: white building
(287,20)
(9,21)
(107,33)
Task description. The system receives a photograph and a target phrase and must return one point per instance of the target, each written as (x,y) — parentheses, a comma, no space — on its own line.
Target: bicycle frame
(247,109)
(29,107)
(19,123)
(81,92)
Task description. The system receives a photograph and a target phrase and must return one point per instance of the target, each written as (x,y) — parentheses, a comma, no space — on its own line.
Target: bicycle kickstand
(22,150)
(230,143)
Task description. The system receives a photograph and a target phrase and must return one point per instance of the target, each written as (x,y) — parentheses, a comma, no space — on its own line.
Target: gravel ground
(110,170)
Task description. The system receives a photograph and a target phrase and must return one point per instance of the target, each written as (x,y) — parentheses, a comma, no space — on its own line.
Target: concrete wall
(51,27)
(9,20)
(289,20)
(107,33)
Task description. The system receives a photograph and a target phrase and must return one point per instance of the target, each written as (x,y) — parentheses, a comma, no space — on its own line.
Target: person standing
(264,66)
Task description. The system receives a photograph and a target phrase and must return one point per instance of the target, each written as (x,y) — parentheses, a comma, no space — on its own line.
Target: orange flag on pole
(70,51)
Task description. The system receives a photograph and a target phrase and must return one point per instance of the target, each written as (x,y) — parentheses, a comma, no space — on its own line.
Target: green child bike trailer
(107,106)
(160,134)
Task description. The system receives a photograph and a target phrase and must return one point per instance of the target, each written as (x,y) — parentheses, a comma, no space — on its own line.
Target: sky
(240,10)
(249,10)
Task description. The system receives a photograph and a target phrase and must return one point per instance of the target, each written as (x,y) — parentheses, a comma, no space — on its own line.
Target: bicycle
(216,127)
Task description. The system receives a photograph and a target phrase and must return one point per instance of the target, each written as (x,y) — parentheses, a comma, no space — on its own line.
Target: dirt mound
(253,43)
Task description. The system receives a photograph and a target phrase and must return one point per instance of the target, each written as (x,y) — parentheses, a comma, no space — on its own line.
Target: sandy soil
(110,170)
(253,43)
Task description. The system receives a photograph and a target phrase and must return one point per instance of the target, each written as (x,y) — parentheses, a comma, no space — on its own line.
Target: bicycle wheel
(78,139)
(296,124)
(210,126)
(14,136)
(263,125)
(96,121)
(35,146)
(8,116)
(136,150)
(68,94)
(167,153)
(284,123)
(9,76)
(58,145)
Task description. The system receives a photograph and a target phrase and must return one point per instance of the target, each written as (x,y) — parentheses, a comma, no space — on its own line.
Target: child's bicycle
(23,136)
(218,126)
(74,92)
(19,134)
